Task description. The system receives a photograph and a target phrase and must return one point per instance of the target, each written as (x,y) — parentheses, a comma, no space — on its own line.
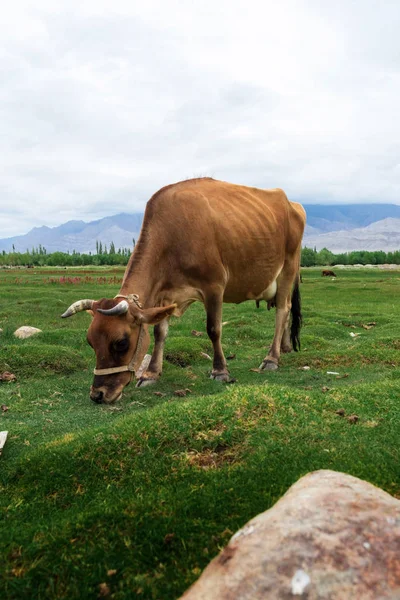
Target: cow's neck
(142,279)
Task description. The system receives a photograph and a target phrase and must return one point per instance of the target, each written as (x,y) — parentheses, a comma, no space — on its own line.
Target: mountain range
(340,228)
(79,235)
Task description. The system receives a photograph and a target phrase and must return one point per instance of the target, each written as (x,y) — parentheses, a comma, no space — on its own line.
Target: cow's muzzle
(96,396)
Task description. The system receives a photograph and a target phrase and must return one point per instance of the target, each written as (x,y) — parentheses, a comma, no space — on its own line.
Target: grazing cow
(327,273)
(201,240)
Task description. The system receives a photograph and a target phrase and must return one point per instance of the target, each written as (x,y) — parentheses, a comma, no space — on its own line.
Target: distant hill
(382,235)
(322,221)
(324,218)
(80,236)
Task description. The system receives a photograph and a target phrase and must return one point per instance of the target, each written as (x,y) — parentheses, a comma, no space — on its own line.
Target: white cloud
(103,102)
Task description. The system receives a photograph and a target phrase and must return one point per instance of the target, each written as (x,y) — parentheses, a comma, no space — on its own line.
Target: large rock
(25,331)
(331,536)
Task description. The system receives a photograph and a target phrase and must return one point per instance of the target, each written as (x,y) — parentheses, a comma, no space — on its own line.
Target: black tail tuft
(296,317)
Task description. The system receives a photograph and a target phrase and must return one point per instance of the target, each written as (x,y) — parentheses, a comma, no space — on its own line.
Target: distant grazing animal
(201,240)
(327,273)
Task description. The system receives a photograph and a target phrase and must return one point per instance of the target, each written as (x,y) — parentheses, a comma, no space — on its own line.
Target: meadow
(134,499)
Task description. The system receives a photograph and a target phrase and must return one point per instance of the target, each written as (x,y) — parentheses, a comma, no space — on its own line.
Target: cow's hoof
(268,365)
(145,381)
(221,377)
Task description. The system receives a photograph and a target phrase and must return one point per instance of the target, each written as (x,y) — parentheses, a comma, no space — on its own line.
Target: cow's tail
(296,320)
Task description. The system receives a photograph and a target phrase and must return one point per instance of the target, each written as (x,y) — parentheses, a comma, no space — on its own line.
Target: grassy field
(133,500)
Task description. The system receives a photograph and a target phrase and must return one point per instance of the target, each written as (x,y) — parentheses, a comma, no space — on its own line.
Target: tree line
(39,257)
(311,257)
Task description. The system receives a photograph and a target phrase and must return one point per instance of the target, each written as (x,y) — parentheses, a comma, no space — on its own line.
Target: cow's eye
(121,345)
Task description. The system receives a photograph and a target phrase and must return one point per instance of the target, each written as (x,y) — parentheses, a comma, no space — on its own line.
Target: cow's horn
(77,307)
(119,309)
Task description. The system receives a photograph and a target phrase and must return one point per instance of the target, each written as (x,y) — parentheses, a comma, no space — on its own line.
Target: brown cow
(327,273)
(201,240)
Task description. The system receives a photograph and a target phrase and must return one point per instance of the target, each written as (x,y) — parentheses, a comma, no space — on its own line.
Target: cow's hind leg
(281,339)
(286,344)
(213,305)
(155,367)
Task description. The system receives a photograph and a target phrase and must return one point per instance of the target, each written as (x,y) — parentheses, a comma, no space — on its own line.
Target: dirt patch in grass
(391,343)
(212,458)
(179,358)
(361,356)
(211,434)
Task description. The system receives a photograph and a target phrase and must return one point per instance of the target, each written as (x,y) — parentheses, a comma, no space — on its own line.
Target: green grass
(141,495)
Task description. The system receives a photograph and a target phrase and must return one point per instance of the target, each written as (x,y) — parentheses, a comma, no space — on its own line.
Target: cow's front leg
(214,329)
(155,367)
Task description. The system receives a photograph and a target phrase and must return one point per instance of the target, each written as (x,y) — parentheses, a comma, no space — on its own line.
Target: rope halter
(132,298)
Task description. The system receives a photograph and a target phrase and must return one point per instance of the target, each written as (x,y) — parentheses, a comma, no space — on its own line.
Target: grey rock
(331,536)
(26,331)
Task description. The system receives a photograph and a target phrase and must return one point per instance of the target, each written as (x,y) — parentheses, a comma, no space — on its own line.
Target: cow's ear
(152,316)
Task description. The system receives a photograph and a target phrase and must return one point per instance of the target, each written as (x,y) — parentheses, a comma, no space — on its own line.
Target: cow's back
(212,230)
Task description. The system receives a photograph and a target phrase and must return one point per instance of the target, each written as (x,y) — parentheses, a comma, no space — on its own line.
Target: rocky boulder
(25,331)
(331,536)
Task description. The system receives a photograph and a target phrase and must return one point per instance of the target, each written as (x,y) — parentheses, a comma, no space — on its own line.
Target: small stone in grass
(197,333)
(325,388)
(104,590)
(353,419)
(341,412)
(3,438)
(180,393)
(231,357)
(4,408)
(369,325)
(111,572)
(7,376)
(159,394)
(26,331)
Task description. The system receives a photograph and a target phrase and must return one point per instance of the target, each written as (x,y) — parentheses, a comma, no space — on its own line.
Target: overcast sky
(103,102)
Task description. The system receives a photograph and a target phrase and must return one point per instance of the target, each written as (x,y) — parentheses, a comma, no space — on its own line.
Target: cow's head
(119,336)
